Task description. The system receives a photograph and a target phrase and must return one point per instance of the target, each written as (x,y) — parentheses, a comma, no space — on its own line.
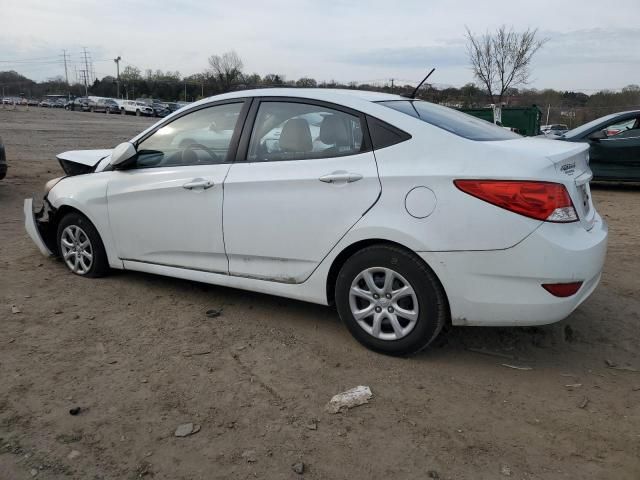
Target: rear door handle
(198,183)
(341,177)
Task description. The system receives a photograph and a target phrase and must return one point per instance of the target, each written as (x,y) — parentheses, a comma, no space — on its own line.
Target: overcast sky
(592,44)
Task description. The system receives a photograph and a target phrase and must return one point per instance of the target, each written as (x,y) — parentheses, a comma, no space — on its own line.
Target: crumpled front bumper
(36,228)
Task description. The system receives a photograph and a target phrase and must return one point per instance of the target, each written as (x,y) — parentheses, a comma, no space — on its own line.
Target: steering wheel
(190,157)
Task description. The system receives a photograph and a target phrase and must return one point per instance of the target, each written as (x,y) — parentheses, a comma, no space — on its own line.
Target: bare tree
(226,69)
(501,60)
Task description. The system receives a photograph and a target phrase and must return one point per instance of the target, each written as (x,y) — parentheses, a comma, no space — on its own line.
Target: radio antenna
(413,94)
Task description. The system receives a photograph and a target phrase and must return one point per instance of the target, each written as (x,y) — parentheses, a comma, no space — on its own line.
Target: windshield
(579,131)
(451,120)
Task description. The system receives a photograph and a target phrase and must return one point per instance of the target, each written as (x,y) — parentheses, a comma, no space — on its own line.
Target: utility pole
(392,85)
(66,72)
(185,91)
(117,60)
(86,71)
(202,89)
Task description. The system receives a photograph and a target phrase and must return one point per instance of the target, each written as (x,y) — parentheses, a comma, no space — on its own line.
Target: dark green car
(614,142)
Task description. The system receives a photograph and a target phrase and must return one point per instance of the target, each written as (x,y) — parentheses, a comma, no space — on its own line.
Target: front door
(306,180)
(166,208)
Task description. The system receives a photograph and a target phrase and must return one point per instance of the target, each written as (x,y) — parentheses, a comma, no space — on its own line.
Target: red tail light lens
(562,289)
(546,201)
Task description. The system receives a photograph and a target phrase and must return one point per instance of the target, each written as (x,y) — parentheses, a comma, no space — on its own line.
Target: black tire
(433,308)
(138,113)
(100,263)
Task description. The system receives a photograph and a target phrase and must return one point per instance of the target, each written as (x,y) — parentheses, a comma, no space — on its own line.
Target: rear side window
(299,131)
(451,120)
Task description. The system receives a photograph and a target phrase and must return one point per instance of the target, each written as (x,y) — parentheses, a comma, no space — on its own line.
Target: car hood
(76,162)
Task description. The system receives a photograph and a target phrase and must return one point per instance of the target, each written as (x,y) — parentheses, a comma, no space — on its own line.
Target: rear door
(305,174)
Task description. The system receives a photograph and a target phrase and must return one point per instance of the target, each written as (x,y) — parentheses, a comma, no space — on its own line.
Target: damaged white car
(405,214)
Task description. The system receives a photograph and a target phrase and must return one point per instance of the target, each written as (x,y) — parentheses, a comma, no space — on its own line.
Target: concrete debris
(298,468)
(73,454)
(186,429)
(349,399)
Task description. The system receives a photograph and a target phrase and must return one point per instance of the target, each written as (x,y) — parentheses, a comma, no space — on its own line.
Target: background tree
(501,60)
(306,82)
(226,69)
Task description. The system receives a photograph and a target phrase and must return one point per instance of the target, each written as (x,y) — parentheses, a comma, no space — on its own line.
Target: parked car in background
(3,160)
(60,103)
(614,145)
(160,109)
(135,108)
(46,103)
(173,106)
(554,129)
(80,104)
(104,105)
(32,102)
(405,214)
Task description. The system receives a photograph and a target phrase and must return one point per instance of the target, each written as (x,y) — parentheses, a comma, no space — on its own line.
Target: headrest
(333,131)
(296,136)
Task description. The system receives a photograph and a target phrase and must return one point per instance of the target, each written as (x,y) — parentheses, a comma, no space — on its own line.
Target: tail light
(545,201)
(562,289)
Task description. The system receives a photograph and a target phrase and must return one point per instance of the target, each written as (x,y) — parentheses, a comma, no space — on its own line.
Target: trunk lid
(568,164)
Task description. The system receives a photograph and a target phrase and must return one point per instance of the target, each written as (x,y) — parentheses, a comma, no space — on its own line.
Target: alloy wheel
(76,249)
(383,303)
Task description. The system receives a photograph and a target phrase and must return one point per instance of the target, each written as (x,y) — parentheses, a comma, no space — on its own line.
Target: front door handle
(198,183)
(341,177)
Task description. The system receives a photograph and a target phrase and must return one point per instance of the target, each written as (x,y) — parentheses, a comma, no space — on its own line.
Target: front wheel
(138,113)
(80,246)
(390,301)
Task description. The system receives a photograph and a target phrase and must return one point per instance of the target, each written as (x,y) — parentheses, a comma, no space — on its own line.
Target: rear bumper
(32,227)
(503,287)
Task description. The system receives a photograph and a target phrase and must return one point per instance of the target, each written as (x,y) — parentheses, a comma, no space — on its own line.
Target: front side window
(299,131)
(198,138)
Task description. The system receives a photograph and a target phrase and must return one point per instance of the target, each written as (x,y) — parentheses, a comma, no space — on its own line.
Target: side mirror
(597,136)
(123,152)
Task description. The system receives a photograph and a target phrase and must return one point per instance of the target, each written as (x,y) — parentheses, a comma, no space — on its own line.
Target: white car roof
(360,100)
(336,95)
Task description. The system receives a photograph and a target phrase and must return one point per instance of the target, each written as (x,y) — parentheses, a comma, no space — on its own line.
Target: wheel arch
(349,250)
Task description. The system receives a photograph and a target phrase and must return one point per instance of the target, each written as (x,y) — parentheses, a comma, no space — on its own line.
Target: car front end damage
(40,216)
(38,221)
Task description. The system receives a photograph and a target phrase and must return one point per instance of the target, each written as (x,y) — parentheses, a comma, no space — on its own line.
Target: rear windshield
(451,120)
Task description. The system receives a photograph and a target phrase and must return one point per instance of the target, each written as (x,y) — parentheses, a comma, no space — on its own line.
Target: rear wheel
(390,301)
(123,111)
(80,246)
(138,113)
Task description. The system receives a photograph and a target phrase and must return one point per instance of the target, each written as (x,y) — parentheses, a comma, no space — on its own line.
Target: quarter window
(198,138)
(299,131)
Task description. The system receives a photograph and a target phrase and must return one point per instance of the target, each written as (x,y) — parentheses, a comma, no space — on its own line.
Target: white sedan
(405,214)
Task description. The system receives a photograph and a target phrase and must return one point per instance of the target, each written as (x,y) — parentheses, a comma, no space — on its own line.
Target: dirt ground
(139,355)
